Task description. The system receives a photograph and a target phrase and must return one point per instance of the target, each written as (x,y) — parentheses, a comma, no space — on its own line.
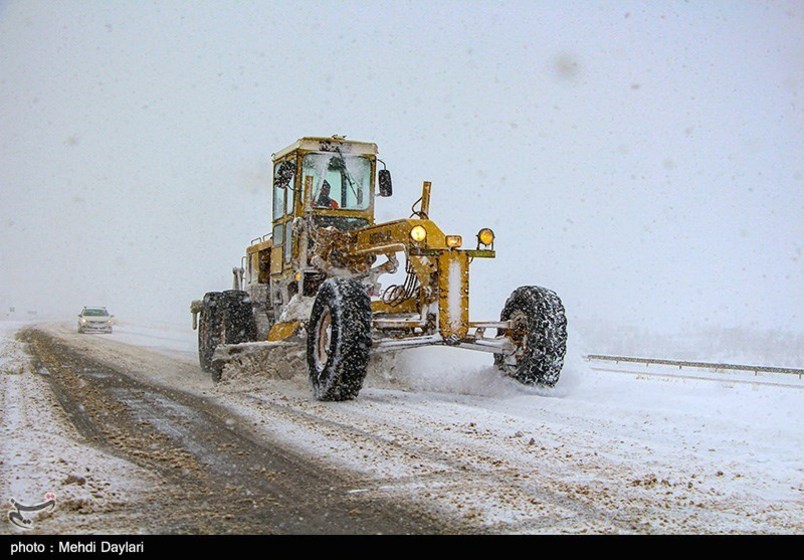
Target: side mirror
(386,189)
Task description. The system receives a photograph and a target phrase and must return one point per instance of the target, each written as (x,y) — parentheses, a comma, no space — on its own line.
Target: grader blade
(276,360)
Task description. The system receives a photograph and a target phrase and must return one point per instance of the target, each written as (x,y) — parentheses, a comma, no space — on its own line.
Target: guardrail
(707,365)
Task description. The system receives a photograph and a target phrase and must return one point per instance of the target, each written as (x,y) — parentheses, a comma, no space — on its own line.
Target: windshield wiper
(348,175)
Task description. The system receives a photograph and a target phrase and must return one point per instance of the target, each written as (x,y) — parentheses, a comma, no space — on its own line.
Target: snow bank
(450,370)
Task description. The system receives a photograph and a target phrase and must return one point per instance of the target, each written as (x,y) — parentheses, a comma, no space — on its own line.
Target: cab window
(284,174)
(339,181)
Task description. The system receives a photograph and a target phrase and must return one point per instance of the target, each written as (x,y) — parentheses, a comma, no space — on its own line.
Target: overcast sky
(643,159)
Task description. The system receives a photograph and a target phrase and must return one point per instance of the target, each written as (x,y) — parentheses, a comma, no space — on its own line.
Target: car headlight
(418,234)
(83,321)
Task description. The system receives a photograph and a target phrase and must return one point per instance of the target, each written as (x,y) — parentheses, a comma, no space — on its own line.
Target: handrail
(265,237)
(680,364)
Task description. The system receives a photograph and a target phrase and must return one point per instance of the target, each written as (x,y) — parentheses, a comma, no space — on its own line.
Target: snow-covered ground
(605,451)
(41,454)
(693,455)
(164,338)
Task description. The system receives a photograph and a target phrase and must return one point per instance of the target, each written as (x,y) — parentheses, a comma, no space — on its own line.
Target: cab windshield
(339,181)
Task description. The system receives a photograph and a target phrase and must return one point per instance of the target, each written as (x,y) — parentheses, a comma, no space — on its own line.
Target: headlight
(454,241)
(83,321)
(485,237)
(418,234)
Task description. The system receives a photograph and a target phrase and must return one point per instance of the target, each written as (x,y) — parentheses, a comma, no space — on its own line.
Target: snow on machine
(312,284)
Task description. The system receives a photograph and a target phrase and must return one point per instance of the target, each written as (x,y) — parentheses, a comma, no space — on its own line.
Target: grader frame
(316,276)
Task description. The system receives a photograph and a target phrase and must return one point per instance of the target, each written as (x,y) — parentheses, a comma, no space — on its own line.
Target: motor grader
(315,280)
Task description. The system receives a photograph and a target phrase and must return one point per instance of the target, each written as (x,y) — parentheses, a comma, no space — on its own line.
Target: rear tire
(237,318)
(539,336)
(339,340)
(209,329)
(226,318)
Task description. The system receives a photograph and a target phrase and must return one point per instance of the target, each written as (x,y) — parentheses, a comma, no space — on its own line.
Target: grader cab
(315,280)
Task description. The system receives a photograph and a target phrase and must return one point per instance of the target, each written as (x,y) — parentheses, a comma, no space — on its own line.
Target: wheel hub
(518,334)
(323,339)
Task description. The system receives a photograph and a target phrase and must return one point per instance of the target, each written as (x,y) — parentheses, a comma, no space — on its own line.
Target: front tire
(339,340)
(539,336)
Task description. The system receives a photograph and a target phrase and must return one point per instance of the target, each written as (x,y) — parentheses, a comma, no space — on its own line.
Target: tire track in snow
(239,482)
(648,469)
(460,467)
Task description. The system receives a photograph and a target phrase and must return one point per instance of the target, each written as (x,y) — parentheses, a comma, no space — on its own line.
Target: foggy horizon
(643,160)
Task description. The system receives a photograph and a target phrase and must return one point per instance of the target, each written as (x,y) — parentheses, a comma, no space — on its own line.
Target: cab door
(284,199)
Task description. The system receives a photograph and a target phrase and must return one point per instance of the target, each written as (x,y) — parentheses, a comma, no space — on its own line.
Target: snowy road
(442,437)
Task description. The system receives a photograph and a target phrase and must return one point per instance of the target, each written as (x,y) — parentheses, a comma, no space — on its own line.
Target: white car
(94,319)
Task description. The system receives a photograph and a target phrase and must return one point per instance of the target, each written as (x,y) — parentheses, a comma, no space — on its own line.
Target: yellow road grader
(315,280)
